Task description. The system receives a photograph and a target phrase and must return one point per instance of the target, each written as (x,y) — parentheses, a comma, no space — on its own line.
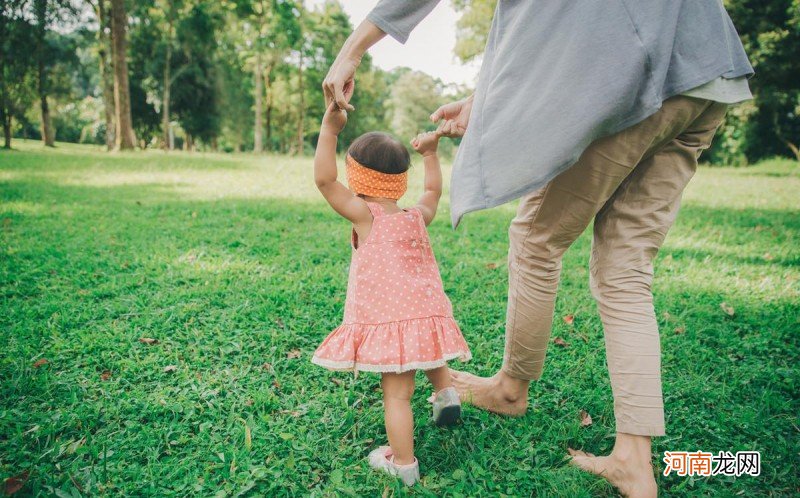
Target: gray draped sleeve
(398,18)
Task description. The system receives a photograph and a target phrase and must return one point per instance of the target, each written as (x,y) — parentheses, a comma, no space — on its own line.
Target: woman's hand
(454,117)
(340,82)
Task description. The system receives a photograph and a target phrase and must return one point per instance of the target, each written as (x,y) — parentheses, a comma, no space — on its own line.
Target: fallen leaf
(276,384)
(666,316)
(13,484)
(727,308)
(336,381)
(295,353)
(266,366)
(148,340)
(105,375)
(248,402)
(768,257)
(73,447)
(170,368)
(586,419)
(40,362)
(491,266)
(568,319)
(561,342)
(248,437)
(680,330)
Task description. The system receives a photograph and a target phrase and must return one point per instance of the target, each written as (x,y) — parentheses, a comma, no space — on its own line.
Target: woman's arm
(394,17)
(426,144)
(338,196)
(339,84)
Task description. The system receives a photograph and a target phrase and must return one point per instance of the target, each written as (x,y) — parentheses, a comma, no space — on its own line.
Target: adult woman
(588,111)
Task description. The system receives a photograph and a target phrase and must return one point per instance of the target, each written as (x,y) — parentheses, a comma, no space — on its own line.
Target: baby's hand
(426,143)
(334,119)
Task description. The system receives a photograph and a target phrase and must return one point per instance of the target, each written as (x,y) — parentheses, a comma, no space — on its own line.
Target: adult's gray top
(557,75)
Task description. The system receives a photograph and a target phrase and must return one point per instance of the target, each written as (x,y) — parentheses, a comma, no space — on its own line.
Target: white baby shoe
(446,407)
(382,459)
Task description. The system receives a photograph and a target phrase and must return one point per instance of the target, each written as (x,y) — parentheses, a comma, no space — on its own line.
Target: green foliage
(473,27)
(232,262)
(770,32)
(17,69)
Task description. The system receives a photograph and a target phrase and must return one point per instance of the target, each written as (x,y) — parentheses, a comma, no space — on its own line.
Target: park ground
(159,311)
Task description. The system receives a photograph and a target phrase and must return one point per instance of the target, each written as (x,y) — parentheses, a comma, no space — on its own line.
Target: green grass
(233,263)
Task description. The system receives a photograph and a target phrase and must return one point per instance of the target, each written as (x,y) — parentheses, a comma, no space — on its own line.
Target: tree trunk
(782,137)
(258,146)
(5,108)
(106,75)
(165,102)
(40,7)
(6,130)
(167,84)
(795,150)
(268,84)
(302,109)
(125,138)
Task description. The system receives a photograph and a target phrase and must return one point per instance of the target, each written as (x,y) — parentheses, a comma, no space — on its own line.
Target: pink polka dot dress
(396,316)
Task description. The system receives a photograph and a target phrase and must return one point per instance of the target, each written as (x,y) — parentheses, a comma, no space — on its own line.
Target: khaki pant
(630,183)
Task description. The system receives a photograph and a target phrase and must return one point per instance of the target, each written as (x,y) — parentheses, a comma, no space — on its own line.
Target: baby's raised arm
(338,196)
(426,144)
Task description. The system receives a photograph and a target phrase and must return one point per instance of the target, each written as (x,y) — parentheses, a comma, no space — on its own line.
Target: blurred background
(245,75)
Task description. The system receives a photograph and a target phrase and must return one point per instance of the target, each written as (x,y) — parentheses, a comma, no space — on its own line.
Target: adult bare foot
(633,477)
(499,394)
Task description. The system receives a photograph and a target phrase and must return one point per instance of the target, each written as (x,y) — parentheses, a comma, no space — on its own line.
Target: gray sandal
(446,407)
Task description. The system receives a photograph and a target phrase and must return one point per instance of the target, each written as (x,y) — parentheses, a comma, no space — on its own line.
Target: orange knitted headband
(366,181)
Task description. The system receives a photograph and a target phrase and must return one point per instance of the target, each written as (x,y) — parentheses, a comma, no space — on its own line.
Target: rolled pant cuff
(640,430)
(520,375)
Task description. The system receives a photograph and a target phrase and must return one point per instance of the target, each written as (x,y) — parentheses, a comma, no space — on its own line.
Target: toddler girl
(397,318)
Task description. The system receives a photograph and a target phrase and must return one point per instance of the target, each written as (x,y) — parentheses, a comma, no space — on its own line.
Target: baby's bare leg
(440,378)
(397,391)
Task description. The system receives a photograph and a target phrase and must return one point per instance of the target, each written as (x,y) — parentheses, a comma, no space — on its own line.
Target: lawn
(236,270)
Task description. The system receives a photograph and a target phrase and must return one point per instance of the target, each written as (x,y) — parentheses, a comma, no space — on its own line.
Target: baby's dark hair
(381,152)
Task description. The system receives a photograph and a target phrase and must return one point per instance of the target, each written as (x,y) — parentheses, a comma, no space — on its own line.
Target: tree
(413,97)
(40,11)
(271,29)
(196,88)
(125,138)
(17,73)
(100,8)
(770,31)
(472,28)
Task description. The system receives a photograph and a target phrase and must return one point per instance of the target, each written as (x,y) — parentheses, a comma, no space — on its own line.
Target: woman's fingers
(339,97)
(442,112)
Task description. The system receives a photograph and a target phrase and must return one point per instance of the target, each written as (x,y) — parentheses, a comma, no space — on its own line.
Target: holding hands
(426,143)
(454,117)
(334,119)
